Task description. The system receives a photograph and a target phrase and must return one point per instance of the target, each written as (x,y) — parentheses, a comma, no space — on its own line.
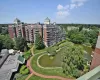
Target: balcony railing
(91,75)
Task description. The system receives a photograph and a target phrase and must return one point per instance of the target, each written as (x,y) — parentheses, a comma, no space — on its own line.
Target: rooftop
(47,19)
(16,20)
(21,59)
(9,65)
(3,56)
(5,75)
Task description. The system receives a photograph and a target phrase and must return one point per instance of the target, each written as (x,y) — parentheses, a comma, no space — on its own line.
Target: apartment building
(96,56)
(50,33)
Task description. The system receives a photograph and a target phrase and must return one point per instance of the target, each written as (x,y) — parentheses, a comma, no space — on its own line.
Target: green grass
(56,71)
(38,51)
(54,46)
(53,72)
(22,77)
(39,78)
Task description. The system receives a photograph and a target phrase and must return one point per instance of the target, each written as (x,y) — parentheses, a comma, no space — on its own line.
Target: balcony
(91,75)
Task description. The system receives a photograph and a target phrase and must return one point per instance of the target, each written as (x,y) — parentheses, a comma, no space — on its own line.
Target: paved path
(32,50)
(29,76)
(28,65)
(41,75)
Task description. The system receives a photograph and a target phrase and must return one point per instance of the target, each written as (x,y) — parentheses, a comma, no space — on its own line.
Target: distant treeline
(4,29)
(83,25)
(4,25)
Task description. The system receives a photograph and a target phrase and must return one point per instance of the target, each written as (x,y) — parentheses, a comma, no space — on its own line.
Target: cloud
(79,1)
(72,6)
(60,7)
(64,11)
(76,3)
(80,4)
(66,7)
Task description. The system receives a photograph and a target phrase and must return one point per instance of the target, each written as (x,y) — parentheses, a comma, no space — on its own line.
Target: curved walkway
(41,75)
(29,76)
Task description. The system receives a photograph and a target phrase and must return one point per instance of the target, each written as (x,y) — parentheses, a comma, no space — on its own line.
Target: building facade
(96,56)
(50,33)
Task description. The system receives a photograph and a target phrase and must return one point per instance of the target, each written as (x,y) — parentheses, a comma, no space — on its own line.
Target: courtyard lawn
(47,62)
(55,71)
(55,61)
(39,78)
(50,61)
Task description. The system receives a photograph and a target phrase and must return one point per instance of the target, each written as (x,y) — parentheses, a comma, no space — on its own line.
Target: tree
(73,60)
(51,51)
(39,42)
(80,28)
(6,42)
(20,43)
(24,70)
(27,55)
(77,38)
(83,36)
(1,42)
(0,28)
(91,36)
(3,29)
(73,31)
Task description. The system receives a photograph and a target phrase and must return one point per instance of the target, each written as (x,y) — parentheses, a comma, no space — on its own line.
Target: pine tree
(39,42)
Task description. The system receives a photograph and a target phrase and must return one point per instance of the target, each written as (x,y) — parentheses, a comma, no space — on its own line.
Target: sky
(59,11)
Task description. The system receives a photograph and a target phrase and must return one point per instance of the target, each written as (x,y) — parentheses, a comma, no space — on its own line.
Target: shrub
(24,70)
(76,73)
(51,51)
(27,55)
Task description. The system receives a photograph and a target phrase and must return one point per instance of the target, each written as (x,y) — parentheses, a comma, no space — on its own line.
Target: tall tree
(39,41)
(20,43)
(1,42)
(6,42)
(80,28)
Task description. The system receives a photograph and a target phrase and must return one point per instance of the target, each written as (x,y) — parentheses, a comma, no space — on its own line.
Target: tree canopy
(21,43)
(39,42)
(6,42)
(73,61)
(83,36)
(26,55)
